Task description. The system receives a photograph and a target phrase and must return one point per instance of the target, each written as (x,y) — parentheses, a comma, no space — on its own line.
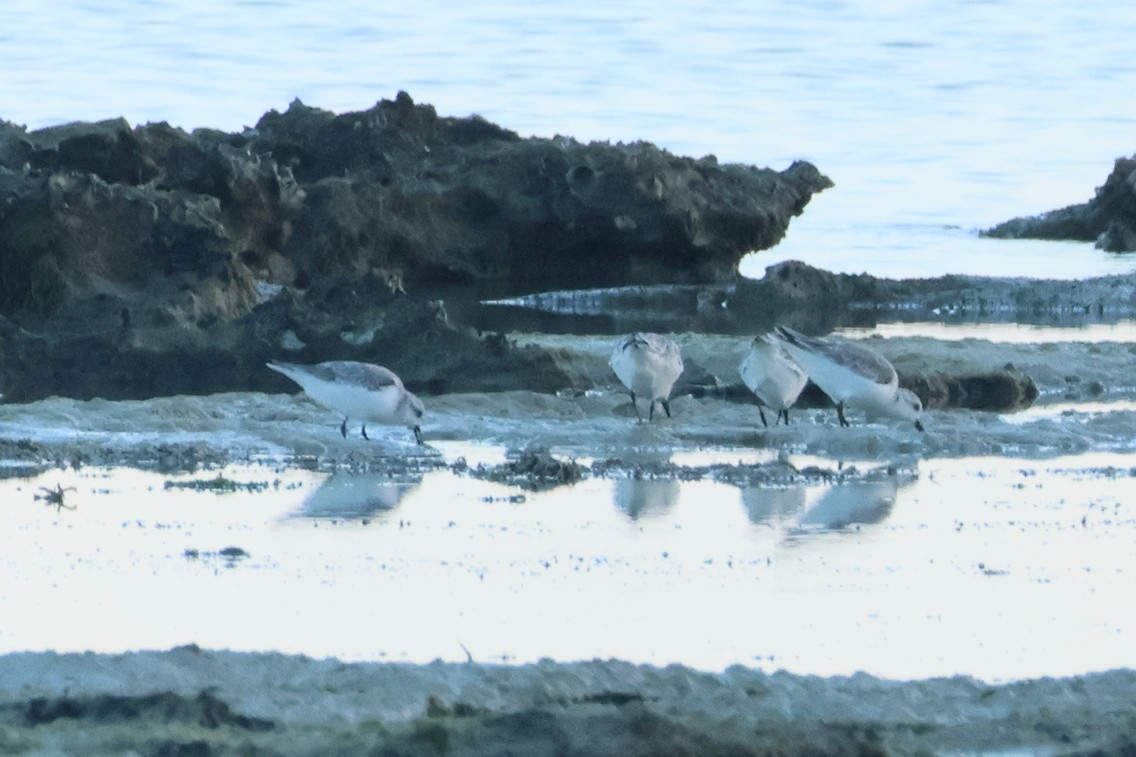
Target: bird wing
(855,357)
(863,361)
(368,375)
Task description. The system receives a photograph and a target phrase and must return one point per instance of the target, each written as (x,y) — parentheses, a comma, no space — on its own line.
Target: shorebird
(772,376)
(648,365)
(366,391)
(852,374)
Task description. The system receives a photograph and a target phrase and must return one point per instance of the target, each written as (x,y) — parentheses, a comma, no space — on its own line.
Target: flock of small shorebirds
(775,369)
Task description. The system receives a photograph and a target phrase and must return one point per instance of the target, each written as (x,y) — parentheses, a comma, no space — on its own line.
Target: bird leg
(651,411)
(666,406)
(783,413)
(365,432)
(840,414)
(418,435)
(762,414)
(636,406)
(343,428)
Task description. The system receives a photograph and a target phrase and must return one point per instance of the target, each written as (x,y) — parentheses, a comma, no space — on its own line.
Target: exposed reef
(1108,219)
(147,261)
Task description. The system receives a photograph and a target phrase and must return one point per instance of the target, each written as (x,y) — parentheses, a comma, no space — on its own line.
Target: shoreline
(1084,386)
(221,702)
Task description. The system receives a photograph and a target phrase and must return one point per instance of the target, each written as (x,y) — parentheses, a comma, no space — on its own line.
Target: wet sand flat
(534,531)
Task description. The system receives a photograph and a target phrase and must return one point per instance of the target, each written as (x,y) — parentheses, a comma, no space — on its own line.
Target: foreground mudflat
(534,525)
(189,700)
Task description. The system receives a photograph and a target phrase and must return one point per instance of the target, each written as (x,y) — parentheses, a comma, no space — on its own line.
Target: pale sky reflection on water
(983,566)
(1012,333)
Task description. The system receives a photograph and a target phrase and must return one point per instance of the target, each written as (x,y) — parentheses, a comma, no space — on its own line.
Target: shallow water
(1123,332)
(983,566)
(914,250)
(994,539)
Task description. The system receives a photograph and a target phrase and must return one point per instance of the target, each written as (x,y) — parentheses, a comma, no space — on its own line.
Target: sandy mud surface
(191,701)
(1087,401)
(528,445)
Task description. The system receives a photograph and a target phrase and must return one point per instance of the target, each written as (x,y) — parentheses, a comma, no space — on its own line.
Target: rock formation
(143,261)
(816,300)
(1109,219)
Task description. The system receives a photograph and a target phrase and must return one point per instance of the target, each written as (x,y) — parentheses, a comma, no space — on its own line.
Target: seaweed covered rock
(998,391)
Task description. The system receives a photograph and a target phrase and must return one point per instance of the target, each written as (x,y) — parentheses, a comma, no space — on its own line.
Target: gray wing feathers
(662,345)
(670,349)
(342,371)
(862,361)
(855,357)
(365,374)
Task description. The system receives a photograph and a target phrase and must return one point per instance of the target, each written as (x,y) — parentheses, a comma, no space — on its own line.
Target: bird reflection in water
(774,504)
(646,497)
(356,497)
(851,504)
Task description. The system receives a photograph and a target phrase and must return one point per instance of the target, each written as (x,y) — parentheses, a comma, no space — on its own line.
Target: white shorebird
(852,374)
(362,390)
(774,378)
(648,365)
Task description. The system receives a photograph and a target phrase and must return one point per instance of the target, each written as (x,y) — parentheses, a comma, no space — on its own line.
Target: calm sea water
(934,119)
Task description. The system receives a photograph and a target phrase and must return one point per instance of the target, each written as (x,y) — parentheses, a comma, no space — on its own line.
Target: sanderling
(648,365)
(852,374)
(772,376)
(361,390)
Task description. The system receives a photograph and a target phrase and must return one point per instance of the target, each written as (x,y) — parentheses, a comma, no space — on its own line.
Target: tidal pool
(993,567)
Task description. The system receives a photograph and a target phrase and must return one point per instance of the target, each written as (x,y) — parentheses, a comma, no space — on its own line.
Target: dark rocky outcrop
(144,261)
(434,200)
(1109,219)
